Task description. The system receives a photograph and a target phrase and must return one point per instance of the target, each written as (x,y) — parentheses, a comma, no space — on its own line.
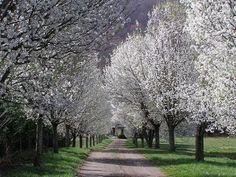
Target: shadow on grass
(229,155)
(60,164)
(63,164)
(183,149)
(191,152)
(184,154)
(178,161)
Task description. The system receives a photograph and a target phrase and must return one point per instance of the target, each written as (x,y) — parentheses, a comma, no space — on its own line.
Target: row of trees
(182,68)
(48,64)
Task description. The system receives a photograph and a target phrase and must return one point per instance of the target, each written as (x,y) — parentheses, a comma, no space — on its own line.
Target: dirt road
(118,161)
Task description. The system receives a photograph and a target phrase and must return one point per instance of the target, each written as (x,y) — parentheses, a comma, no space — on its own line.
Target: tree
(36,31)
(126,78)
(212,27)
(169,60)
(35,34)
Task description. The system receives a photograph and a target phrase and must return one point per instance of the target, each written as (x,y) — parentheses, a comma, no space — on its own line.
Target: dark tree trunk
(171,138)
(55,137)
(74,138)
(150,138)
(87,141)
(80,141)
(90,140)
(93,139)
(136,139)
(113,131)
(122,131)
(39,142)
(67,135)
(199,137)
(157,135)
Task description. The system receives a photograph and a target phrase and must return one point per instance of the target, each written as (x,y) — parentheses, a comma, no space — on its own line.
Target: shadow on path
(118,161)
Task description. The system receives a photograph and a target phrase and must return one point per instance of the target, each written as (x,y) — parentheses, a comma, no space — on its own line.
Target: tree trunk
(93,140)
(74,138)
(55,137)
(171,139)
(122,132)
(113,131)
(136,140)
(149,138)
(199,155)
(39,142)
(67,135)
(87,141)
(157,135)
(90,140)
(80,141)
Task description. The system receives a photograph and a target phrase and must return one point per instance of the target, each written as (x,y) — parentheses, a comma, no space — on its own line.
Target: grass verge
(63,164)
(220,158)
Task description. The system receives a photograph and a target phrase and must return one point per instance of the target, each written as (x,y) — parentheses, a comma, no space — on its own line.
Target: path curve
(118,161)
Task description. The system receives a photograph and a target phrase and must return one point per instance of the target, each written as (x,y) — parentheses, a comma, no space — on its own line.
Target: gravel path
(118,161)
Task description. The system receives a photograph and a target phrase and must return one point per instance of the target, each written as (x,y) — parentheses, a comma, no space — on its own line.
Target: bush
(122,137)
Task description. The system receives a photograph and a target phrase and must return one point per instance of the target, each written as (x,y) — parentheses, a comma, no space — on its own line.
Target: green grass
(63,164)
(220,158)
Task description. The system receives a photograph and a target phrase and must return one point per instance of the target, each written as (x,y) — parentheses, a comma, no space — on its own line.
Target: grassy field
(220,158)
(63,164)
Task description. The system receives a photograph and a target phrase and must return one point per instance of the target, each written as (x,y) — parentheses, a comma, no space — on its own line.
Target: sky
(138,11)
